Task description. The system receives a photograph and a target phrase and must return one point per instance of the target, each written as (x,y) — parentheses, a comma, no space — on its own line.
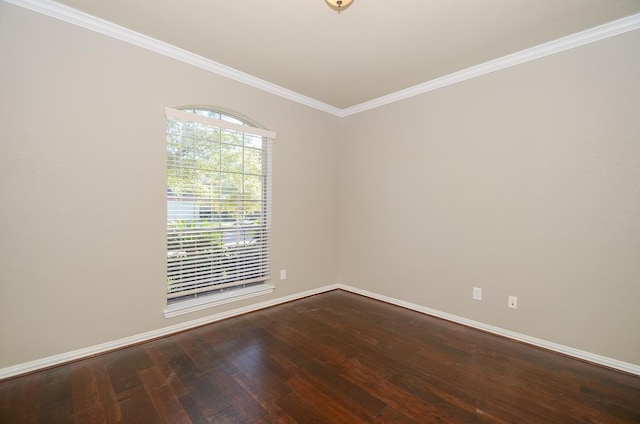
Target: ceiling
(374,48)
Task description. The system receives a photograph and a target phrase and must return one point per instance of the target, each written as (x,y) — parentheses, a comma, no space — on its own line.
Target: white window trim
(187,116)
(216,299)
(228,296)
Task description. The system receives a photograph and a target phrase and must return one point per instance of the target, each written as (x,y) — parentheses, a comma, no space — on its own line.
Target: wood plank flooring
(330,358)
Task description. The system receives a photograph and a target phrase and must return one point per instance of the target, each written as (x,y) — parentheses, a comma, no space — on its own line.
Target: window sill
(218,299)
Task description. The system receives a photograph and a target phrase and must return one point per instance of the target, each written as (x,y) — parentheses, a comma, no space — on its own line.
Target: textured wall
(82,185)
(523,182)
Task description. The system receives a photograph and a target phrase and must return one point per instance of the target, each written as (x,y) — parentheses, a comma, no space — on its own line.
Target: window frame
(216,288)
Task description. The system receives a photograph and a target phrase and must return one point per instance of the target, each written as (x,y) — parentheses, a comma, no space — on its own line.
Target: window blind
(218,203)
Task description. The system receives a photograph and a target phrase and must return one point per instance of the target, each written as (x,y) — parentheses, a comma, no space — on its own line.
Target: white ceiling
(374,48)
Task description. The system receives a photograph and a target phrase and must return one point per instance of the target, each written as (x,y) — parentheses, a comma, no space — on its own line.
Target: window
(218,207)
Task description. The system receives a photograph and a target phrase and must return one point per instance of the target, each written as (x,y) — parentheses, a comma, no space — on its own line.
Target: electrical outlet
(283,274)
(477,293)
(513,302)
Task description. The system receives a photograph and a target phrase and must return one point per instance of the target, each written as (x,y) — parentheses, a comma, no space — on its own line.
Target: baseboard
(75,355)
(565,350)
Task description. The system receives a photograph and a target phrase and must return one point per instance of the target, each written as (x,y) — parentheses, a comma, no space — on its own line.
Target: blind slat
(220,286)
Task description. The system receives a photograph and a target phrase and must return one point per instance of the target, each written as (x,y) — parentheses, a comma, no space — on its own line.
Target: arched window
(218,207)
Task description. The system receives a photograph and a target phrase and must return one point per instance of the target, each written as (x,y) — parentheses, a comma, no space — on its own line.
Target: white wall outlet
(477,293)
(283,274)
(513,302)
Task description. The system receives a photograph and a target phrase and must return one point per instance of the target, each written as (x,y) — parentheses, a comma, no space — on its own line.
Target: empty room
(320,211)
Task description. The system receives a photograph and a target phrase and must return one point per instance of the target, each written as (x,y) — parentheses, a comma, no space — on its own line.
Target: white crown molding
(610,29)
(101,26)
(565,350)
(75,17)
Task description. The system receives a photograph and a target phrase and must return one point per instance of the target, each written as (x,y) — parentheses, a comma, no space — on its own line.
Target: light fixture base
(339,5)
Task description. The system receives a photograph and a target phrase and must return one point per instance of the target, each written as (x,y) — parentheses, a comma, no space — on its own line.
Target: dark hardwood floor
(335,357)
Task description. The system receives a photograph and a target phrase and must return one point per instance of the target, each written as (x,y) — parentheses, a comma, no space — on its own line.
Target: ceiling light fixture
(339,5)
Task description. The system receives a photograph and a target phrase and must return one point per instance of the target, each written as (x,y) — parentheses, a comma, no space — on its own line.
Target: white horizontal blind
(218,203)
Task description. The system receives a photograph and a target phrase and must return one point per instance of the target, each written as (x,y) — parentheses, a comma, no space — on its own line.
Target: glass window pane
(253,161)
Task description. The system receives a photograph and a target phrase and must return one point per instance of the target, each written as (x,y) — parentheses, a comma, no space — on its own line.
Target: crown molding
(610,29)
(101,26)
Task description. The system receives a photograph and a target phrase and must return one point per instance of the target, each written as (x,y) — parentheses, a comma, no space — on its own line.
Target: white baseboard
(565,350)
(75,355)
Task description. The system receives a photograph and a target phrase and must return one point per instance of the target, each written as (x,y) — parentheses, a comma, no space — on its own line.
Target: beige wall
(523,182)
(82,185)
